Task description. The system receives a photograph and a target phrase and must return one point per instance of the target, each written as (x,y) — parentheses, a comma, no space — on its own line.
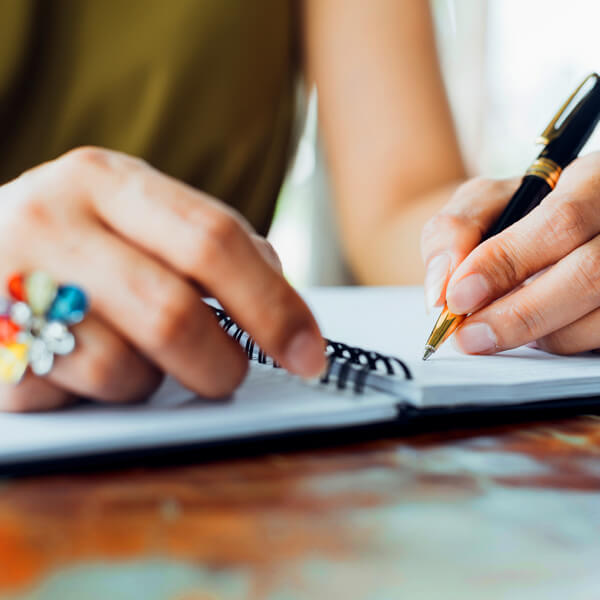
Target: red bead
(16,287)
(8,331)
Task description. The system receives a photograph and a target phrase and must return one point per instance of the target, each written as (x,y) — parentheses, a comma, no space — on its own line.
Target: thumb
(450,235)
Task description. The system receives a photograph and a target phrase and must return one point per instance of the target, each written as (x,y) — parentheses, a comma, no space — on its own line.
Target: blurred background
(506,76)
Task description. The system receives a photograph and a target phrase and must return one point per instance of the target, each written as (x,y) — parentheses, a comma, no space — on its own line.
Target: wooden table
(511,512)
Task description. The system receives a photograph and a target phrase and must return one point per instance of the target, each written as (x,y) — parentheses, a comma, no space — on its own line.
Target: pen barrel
(444,327)
(567,140)
(531,192)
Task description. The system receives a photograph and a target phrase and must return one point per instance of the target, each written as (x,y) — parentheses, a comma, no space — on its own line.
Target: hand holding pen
(558,241)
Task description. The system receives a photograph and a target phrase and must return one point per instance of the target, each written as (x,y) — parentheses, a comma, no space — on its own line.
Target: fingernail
(467,294)
(305,355)
(475,338)
(435,279)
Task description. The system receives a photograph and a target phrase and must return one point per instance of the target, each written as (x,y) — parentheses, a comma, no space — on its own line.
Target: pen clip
(552,131)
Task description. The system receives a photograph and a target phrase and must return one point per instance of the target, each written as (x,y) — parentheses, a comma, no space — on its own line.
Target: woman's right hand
(146,248)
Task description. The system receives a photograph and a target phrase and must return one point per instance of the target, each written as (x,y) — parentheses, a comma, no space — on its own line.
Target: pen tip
(429,350)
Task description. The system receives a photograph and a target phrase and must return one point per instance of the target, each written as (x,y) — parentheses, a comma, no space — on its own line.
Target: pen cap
(563,143)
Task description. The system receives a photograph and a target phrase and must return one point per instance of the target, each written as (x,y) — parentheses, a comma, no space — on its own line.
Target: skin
(540,277)
(80,215)
(394,162)
(392,152)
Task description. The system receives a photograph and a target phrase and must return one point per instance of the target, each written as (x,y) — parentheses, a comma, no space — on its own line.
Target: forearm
(386,250)
(391,148)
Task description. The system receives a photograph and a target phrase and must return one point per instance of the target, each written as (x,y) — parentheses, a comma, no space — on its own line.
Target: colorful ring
(34,324)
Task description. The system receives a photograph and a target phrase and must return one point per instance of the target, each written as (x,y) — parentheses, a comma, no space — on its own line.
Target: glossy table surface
(506,512)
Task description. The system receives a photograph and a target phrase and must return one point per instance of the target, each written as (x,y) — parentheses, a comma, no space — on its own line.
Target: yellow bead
(13,362)
(41,290)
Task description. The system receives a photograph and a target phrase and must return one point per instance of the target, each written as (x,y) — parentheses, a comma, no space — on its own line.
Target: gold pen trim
(546,169)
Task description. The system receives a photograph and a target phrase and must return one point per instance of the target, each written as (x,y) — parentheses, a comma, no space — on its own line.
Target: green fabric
(201,89)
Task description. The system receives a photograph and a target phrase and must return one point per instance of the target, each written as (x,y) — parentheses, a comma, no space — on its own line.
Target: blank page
(390,320)
(269,401)
(394,321)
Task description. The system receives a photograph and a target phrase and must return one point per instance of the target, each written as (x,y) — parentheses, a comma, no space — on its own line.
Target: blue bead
(69,306)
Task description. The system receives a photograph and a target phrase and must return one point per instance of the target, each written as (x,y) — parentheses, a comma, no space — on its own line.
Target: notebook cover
(409,421)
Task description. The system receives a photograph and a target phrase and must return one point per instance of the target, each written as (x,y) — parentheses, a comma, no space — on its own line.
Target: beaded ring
(34,324)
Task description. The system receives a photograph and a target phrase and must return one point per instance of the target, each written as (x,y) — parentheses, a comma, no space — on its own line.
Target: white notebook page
(394,321)
(390,320)
(269,401)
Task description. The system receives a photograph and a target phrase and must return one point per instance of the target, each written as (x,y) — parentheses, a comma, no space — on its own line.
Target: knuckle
(588,272)
(567,222)
(268,252)
(223,228)
(84,157)
(219,234)
(128,160)
(96,159)
(528,319)
(135,183)
(501,262)
(29,217)
(30,211)
(170,316)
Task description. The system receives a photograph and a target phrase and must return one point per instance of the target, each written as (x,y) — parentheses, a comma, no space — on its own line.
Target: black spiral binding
(352,364)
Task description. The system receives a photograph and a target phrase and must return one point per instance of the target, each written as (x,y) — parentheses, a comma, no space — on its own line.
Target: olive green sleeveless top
(201,89)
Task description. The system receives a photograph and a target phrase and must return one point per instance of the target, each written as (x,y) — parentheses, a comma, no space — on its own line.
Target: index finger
(210,244)
(567,218)
(451,234)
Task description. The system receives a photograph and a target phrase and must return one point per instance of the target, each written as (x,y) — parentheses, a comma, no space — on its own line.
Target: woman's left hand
(560,308)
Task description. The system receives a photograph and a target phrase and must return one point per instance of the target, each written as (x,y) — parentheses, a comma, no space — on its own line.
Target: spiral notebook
(375,376)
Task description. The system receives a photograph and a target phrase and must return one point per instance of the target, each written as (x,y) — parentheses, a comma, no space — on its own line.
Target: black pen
(563,139)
